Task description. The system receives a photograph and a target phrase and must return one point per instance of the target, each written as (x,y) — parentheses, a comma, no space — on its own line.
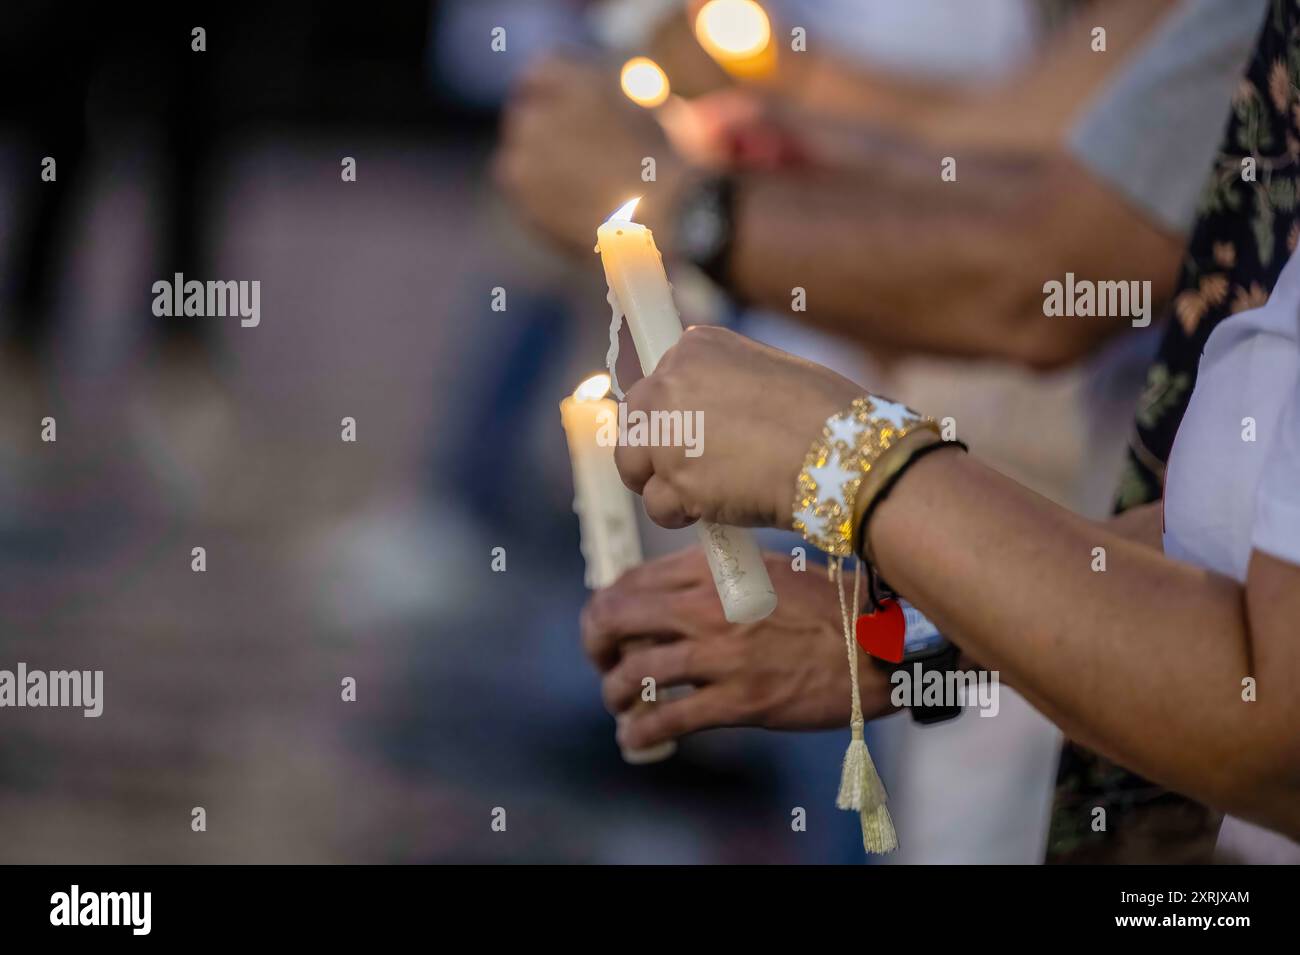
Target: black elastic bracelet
(889,486)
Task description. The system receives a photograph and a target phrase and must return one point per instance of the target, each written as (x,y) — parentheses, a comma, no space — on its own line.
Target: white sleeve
(1277,501)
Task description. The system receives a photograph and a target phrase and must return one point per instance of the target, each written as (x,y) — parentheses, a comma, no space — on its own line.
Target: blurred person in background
(116,73)
(356,558)
(828,179)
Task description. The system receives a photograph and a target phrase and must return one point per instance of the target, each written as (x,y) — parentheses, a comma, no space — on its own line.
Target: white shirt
(1233,481)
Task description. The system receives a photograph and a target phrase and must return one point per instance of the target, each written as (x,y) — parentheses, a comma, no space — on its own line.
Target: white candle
(635,272)
(606,509)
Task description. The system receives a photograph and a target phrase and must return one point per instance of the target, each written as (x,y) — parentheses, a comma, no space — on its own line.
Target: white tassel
(850,796)
(878,833)
(861,788)
(860,785)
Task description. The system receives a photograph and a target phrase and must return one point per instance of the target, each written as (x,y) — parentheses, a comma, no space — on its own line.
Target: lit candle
(644,82)
(635,273)
(738,35)
(606,509)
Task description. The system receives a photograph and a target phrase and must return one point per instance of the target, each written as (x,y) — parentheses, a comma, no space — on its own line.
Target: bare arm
(1143,662)
(869,239)
(1043,96)
(1044,93)
(888,252)
(893,255)
(1142,525)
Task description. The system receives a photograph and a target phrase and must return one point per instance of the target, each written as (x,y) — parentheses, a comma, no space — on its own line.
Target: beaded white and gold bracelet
(845,468)
(851,445)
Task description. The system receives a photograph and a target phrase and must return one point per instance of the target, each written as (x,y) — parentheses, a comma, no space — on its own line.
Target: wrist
(889,473)
(912,493)
(886,470)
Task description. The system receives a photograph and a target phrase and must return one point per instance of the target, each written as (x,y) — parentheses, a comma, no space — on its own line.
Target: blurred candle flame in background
(644,82)
(738,35)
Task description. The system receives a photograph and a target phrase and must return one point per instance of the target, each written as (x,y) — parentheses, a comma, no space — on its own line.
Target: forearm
(1049,92)
(1043,96)
(1143,661)
(890,254)
(1141,525)
(860,93)
(867,252)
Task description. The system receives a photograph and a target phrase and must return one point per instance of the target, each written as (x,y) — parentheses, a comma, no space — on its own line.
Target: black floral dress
(1246,229)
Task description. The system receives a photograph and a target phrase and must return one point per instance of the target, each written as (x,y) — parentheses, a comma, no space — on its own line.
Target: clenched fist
(761,409)
(571,153)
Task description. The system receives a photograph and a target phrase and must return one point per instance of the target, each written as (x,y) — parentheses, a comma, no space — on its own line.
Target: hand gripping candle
(639,289)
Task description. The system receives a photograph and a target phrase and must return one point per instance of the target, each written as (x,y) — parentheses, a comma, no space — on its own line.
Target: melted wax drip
(611,356)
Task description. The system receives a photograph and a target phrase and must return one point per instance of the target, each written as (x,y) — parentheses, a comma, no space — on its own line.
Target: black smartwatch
(706,226)
(925,651)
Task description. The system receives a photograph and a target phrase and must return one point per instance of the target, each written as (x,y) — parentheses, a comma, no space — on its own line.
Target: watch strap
(706,227)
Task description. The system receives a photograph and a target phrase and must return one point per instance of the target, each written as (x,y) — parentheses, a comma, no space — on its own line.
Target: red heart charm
(881,633)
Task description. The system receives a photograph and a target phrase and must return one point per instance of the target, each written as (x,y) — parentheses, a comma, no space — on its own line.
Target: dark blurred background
(325,559)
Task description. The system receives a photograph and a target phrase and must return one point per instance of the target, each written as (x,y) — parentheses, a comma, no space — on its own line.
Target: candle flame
(733,29)
(624,213)
(593,389)
(644,82)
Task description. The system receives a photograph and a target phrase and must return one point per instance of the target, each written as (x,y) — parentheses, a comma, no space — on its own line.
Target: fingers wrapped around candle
(725,425)
(677,663)
(660,625)
(670,719)
(649,471)
(655,600)
(635,464)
